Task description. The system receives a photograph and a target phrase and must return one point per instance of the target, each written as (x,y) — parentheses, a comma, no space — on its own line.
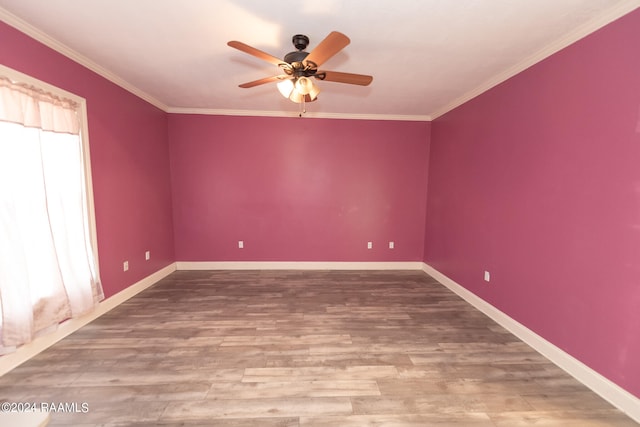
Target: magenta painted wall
(538,181)
(298,189)
(129,156)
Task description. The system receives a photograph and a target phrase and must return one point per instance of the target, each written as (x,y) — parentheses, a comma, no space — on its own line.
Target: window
(48,252)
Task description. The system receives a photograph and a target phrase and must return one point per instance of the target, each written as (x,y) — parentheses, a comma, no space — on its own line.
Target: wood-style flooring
(302,348)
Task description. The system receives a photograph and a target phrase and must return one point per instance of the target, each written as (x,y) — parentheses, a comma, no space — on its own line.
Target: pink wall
(538,181)
(129,156)
(297,189)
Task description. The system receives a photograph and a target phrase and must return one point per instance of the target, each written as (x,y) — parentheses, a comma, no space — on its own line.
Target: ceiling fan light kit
(299,66)
(292,88)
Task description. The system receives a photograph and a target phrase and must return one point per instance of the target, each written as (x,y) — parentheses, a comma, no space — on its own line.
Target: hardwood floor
(302,348)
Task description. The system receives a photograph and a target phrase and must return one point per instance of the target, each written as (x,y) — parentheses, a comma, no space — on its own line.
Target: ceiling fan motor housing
(298,56)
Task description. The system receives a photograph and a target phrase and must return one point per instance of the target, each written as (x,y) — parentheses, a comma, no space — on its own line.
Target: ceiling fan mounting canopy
(300,41)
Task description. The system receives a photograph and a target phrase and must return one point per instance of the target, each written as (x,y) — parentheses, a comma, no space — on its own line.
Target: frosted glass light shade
(303,85)
(285,87)
(306,86)
(296,97)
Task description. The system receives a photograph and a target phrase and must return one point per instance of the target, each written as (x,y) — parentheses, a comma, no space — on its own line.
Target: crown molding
(580,32)
(33,32)
(307,115)
(40,36)
(607,17)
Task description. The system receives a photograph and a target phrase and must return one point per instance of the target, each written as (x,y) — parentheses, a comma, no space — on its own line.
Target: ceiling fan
(299,66)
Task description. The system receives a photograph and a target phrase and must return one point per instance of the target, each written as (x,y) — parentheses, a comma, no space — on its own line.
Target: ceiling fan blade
(255,52)
(265,80)
(328,47)
(349,78)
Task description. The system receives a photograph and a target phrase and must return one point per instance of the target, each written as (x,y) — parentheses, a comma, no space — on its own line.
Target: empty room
(337,213)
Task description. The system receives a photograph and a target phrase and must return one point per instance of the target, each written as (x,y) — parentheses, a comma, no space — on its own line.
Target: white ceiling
(426,56)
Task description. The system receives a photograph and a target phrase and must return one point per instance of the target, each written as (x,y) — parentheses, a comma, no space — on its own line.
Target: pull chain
(303,108)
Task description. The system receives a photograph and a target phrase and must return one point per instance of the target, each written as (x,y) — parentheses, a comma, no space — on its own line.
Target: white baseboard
(27,351)
(604,387)
(608,390)
(297,265)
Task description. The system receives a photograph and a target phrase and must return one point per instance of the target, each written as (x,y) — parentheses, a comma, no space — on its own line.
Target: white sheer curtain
(47,266)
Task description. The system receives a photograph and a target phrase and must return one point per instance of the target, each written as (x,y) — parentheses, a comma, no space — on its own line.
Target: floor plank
(302,348)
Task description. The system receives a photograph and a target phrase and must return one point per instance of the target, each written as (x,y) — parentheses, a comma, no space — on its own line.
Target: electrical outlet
(125,266)
(391,245)
(240,244)
(487,276)
(147,255)
(369,245)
